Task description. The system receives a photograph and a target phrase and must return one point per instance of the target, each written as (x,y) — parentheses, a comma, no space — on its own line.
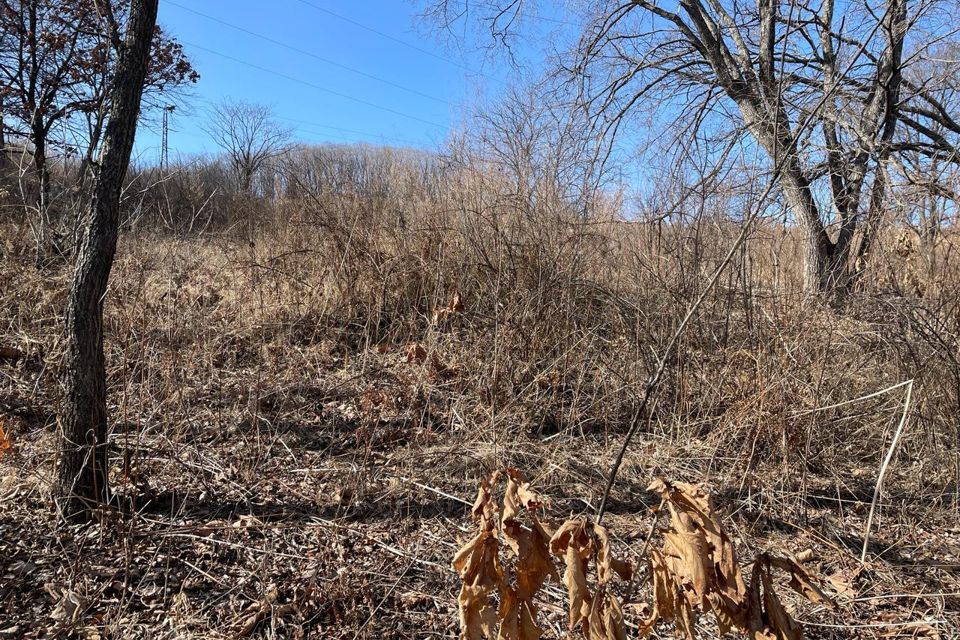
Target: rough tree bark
(82,476)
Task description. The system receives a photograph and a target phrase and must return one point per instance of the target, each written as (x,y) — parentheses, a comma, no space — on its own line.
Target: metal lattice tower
(165,136)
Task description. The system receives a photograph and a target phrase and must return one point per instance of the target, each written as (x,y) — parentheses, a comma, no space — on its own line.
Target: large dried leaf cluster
(529,544)
(695,571)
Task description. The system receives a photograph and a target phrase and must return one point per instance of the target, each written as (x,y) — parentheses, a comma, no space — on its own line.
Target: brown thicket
(308,377)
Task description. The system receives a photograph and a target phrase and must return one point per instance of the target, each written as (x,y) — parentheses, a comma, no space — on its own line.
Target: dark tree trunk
(82,477)
(39,139)
(3,137)
(43,171)
(96,132)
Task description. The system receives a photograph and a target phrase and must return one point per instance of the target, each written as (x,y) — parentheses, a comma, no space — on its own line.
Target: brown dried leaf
(573,543)
(518,496)
(800,580)
(697,571)
(10,354)
(769,620)
(518,618)
(483,507)
(700,559)
(607,565)
(687,556)
(669,603)
(606,618)
(695,503)
(478,564)
(456,302)
(415,353)
(6,444)
(442,314)
(533,567)
(441,369)
(768,617)
(530,545)
(842,584)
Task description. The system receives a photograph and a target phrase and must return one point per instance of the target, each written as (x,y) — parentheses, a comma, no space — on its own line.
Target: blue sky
(429,86)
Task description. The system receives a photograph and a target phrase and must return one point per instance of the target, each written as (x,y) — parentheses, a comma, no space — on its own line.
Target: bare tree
(82,478)
(249,135)
(831,93)
(56,57)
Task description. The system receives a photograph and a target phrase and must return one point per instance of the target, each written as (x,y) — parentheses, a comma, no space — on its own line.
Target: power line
(307,53)
(317,137)
(389,37)
(368,134)
(314,86)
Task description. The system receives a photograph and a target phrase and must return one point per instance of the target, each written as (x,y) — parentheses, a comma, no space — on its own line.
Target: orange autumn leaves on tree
(695,571)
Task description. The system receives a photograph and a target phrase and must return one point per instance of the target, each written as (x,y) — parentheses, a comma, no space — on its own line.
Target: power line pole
(165,137)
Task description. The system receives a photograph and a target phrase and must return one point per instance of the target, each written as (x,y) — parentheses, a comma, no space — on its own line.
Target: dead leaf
(806,555)
(415,353)
(607,565)
(518,618)
(606,618)
(6,444)
(69,607)
(769,619)
(800,580)
(442,314)
(478,564)
(530,545)
(842,584)
(483,507)
(518,496)
(696,571)
(10,354)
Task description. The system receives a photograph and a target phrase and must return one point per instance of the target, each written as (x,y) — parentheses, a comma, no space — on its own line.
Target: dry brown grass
(283,468)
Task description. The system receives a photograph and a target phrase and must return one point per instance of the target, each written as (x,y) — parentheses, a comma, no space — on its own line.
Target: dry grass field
(303,409)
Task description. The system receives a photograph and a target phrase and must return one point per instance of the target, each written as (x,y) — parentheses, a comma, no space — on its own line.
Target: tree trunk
(3,137)
(43,172)
(43,230)
(824,266)
(82,477)
(96,132)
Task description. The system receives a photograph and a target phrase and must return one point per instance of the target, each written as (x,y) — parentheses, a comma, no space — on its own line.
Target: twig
(646,545)
(382,600)
(846,402)
(434,490)
(657,377)
(883,469)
